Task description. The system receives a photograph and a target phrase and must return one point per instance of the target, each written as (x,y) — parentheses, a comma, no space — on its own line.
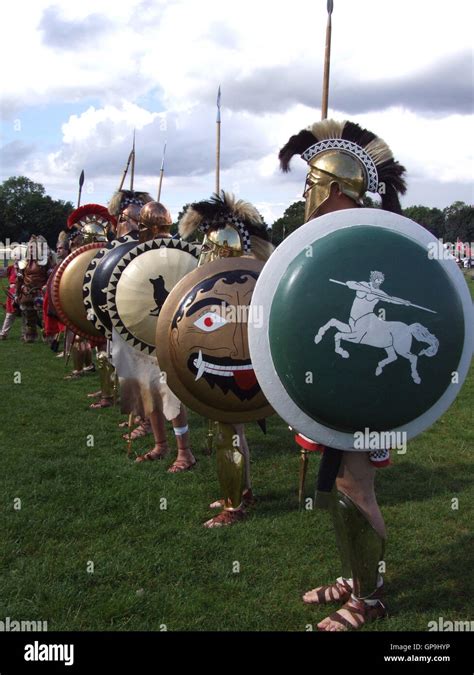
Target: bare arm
(358,286)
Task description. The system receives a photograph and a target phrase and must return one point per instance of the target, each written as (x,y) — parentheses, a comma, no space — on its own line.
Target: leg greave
(106,375)
(362,547)
(230,466)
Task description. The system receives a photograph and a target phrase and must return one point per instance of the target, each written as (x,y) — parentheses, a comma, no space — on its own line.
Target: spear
(327,61)
(125,171)
(81,183)
(218,144)
(387,298)
(132,174)
(162,171)
(324,113)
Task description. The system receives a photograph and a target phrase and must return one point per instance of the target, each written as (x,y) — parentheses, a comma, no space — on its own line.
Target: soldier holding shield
(345,161)
(336,395)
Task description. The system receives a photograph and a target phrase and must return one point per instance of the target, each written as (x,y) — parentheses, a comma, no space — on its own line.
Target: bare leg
(160,449)
(185,459)
(157,422)
(7,324)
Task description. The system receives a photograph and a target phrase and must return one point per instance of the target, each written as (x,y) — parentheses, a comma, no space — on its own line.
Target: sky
(78,78)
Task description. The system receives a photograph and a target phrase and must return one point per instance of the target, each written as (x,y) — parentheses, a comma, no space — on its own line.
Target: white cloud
(179,51)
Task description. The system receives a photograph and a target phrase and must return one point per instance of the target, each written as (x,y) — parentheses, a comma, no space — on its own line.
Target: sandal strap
(342,588)
(229,516)
(360,611)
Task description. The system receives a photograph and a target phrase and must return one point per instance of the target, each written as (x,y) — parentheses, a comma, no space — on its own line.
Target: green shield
(364,328)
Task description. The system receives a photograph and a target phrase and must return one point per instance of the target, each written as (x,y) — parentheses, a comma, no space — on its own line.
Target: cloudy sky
(78,77)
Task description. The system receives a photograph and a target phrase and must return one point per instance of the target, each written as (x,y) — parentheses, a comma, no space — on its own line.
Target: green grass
(154,567)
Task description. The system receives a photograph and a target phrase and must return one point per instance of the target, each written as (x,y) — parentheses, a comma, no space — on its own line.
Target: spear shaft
(132,174)
(327,62)
(162,171)
(397,301)
(125,171)
(218,141)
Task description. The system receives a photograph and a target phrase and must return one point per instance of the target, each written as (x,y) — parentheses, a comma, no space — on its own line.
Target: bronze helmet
(231,227)
(345,154)
(155,221)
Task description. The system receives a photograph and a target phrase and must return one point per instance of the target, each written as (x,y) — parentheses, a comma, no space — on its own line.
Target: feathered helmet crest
(90,213)
(379,171)
(220,211)
(123,198)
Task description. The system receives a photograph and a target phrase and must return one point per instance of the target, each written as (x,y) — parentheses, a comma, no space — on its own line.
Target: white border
(267,284)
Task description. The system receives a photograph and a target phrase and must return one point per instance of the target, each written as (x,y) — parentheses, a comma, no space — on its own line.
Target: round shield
(367,328)
(140,283)
(202,345)
(97,278)
(67,291)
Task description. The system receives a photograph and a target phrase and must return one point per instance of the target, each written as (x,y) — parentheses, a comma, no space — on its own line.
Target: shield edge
(55,293)
(88,278)
(131,254)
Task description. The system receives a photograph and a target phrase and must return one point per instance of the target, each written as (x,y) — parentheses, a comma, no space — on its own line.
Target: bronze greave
(360,545)
(106,375)
(230,466)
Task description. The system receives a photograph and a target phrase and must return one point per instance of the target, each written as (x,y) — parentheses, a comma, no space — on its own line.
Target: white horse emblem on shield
(365,328)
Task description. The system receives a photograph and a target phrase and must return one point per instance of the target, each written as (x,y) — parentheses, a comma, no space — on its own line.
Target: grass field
(155,567)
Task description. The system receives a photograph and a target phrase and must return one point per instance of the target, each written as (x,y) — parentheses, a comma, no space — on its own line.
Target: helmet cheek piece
(329,168)
(224,242)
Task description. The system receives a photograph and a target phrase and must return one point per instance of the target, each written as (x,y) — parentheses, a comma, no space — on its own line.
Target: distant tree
(290,221)
(370,203)
(25,209)
(459,222)
(430,218)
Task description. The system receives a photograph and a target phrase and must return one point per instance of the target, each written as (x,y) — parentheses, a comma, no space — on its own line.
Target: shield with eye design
(202,343)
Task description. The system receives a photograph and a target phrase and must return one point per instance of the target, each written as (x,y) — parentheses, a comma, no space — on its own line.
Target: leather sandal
(180,465)
(248,499)
(226,517)
(360,611)
(142,430)
(103,403)
(153,455)
(341,591)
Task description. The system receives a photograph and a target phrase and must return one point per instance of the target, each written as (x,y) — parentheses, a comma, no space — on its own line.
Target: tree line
(453,223)
(26,209)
